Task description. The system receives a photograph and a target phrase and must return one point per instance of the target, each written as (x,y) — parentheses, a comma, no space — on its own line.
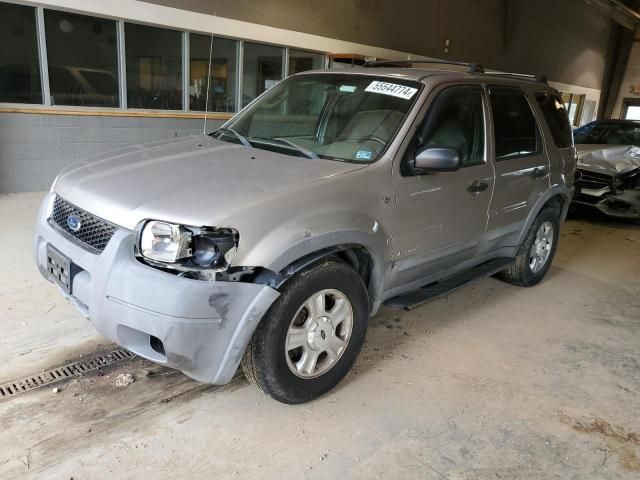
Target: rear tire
(310,337)
(537,252)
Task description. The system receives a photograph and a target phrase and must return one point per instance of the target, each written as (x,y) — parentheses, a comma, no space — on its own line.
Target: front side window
(456,120)
(515,129)
(556,117)
(154,67)
(83,59)
(334,116)
(221,82)
(19,63)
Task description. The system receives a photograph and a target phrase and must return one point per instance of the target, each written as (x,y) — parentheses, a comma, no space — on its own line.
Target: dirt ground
(491,382)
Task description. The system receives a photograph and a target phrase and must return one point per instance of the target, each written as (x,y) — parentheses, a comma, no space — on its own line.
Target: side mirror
(436,159)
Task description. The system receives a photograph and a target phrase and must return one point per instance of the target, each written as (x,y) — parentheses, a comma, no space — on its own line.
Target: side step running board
(414,299)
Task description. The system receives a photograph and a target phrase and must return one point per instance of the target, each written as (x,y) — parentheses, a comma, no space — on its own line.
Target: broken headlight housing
(185,248)
(630,180)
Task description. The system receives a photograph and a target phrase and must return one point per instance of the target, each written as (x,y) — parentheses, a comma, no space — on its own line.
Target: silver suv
(270,242)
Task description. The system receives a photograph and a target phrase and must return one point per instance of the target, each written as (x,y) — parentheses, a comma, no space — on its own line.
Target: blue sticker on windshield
(364,155)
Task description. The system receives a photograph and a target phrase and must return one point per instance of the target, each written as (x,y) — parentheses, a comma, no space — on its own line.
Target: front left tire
(312,334)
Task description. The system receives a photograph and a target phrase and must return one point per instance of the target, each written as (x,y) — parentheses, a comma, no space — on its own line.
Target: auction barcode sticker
(393,89)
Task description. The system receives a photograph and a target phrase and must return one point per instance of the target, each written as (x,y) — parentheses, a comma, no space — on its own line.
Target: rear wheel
(538,250)
(311,336)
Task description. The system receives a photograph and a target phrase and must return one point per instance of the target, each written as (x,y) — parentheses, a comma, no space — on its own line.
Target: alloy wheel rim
(541,248)
(319,334)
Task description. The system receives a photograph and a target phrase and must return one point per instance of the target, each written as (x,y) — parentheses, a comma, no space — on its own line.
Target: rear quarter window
(555,115)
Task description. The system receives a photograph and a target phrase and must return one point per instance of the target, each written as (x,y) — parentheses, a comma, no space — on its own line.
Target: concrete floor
(493,381)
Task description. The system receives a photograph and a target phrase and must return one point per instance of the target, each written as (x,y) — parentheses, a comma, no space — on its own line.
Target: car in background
(608,173)
(83,86)
(79,86)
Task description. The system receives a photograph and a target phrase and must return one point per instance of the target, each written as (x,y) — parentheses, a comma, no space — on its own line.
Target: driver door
(441,218)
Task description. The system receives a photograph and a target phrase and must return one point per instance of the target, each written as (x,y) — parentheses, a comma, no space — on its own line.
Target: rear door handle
(477,187)
(539,172)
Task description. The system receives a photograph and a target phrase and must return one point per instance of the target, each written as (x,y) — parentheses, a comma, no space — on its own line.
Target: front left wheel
(312,334)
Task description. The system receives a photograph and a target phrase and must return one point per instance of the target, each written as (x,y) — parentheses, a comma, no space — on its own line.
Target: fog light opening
(156,344)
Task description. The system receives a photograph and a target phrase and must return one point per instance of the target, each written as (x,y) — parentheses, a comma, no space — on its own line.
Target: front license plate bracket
(60,269)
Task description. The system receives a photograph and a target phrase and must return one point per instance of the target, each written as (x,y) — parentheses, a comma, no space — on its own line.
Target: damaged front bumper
(199,327)
(614,196)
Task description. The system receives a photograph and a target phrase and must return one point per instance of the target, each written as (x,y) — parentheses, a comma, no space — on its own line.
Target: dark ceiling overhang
(623,12)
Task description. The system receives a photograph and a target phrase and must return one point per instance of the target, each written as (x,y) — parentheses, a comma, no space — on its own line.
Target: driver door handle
(477,187)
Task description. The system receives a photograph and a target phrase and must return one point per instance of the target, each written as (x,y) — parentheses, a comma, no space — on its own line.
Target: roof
(424,74)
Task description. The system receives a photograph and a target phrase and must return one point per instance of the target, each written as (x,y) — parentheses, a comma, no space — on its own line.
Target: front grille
(94,233)
(596,181)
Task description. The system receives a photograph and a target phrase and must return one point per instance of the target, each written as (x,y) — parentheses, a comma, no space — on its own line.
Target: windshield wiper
(242,139)
(305,151)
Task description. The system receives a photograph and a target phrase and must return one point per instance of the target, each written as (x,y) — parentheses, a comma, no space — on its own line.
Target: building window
(573,103)
(82,53)
(262,69)
(222,83)
(19,63)
(630,109)
(301,61)
(154,67)
(632,112)
(588,112)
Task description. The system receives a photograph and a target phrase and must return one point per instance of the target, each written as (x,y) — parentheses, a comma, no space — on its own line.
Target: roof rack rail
(520,76)
(473,67)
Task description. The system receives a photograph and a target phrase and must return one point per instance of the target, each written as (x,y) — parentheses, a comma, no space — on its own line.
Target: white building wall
(631,78)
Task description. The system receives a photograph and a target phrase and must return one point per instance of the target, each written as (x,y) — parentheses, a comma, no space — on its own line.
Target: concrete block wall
(35,147)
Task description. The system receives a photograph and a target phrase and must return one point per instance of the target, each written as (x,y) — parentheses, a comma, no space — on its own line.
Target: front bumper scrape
(204,326)
(208,349)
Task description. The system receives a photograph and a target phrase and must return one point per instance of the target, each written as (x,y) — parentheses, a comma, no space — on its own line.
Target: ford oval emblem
(74,223)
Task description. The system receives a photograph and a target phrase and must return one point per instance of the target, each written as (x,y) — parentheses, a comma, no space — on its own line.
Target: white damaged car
(608,173)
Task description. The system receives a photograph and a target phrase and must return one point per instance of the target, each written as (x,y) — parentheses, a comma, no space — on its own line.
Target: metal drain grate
(65,372)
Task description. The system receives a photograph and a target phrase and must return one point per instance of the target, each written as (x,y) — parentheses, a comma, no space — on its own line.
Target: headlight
(164,242)
(186,248)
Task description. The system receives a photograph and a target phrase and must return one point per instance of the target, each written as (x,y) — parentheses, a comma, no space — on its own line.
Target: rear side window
(515,129)
(556,117)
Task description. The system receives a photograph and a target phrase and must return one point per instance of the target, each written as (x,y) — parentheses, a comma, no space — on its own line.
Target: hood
(193,181)
(611,160)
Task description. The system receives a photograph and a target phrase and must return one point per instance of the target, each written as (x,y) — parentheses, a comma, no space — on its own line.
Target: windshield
(608,134)
(342,117)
